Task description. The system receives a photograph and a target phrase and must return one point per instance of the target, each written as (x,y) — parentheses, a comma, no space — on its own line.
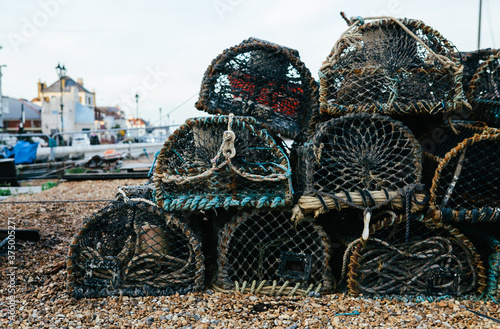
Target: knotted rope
(357,21)
(228,151)
(127,199)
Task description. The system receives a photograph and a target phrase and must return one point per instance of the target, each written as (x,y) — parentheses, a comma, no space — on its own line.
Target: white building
(78,106)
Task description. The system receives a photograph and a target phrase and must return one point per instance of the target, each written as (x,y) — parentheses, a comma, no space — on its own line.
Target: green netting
(222,161)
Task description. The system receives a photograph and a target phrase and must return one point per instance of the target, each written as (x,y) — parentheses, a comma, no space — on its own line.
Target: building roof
(137,122)
(31,111)
(111,111)
(68,83)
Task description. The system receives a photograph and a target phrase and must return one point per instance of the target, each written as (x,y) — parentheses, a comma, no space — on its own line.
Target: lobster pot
(439,141)
(263,252)
(471,61)
(263,80)
(394,67)
(466,184)
(484,91)
(219,162)
(416,258)
(486,239)
(134,249)
(360,152)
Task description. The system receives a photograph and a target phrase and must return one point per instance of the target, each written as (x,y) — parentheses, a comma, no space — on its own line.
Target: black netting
(380,67)
(439,141)
(466,185)
(134,249)
(222,162)
(484,91)
(361,152)
(433,259)
(136,191)
(262,249)
(263,80)
(471,61)
(486,239)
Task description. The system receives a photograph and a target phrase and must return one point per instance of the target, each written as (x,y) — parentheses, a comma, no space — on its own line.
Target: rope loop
(228,149)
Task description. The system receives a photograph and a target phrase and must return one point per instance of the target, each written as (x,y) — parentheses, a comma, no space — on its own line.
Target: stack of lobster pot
(385,84)
(234,168)
(461,160)
(390,185)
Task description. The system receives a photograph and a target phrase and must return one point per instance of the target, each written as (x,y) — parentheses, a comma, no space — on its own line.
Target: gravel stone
(43,301)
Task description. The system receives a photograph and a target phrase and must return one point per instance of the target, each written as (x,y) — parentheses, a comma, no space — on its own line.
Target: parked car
(80,139)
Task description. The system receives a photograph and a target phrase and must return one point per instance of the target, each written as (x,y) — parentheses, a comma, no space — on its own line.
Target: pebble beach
(33,292)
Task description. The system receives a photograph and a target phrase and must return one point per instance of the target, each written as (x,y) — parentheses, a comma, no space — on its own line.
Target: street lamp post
(137,113)
(61,72)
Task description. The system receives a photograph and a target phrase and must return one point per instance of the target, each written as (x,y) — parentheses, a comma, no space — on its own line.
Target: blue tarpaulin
(7,152)
(25,152)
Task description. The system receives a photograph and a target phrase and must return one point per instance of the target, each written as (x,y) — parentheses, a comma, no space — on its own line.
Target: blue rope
(154,163)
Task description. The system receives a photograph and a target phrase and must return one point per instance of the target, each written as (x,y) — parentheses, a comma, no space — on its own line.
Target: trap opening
(295,266)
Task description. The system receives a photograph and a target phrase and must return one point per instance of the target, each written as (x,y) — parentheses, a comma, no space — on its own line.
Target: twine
(228,151)
(445,61)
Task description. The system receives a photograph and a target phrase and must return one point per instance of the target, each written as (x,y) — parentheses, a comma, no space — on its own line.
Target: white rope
(127,199)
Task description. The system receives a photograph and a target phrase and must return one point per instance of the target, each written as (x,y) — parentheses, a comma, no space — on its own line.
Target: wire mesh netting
(126,193)
(263,252)
(471,61)
(435,259)
(439,141)
(263,80)
(466,185)
(395,67)
(222,161)
(134,249)
(359,152)
(484,91)
(486,239)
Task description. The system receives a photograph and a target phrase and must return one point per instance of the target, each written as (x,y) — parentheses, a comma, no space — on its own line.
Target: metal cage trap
(486,239)
(134,249)
(433,260)
(437,142)
(466,184)
(222,162)
(359,160)
(393,67)
(484,91)
(263,80)
(471,61)
(261,251)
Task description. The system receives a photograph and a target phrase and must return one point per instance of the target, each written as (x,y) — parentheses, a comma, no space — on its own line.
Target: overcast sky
(161,49)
